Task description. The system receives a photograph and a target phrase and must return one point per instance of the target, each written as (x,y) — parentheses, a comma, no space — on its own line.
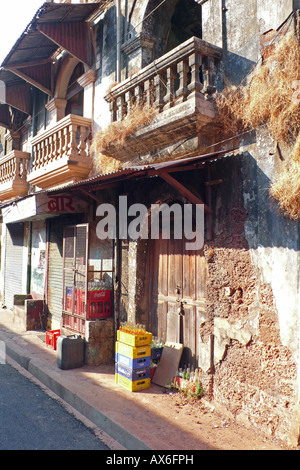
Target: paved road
(31,420)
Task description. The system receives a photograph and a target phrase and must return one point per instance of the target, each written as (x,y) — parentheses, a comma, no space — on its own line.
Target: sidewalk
(135,420)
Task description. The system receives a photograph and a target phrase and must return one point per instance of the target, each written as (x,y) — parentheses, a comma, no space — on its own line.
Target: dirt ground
(220,432)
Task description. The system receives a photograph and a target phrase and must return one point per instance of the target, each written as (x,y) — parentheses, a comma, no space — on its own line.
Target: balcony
(13,172)
(61,153)
(179,85)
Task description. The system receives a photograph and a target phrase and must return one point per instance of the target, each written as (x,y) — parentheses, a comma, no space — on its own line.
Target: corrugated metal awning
(40,39)
(55,27)
(145,171)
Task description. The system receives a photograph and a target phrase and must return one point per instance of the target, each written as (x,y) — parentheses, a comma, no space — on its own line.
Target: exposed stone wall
(100,340)
(254,373)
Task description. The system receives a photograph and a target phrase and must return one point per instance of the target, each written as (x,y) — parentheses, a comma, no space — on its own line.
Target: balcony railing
(61,153)
(178,85)
(13,172)
(174,78)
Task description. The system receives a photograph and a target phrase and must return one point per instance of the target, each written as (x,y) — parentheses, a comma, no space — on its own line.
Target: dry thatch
(116,134)
(286,190)
(271,98)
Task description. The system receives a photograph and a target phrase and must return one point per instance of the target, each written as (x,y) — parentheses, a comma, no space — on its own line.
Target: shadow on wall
(244,216)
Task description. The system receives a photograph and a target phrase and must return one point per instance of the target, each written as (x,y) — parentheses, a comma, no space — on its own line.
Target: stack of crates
(133,358)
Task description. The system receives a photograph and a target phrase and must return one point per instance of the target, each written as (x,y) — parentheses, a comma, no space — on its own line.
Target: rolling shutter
(55,266)
(13,274)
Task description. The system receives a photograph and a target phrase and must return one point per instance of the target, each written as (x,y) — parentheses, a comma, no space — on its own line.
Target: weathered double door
(177,294)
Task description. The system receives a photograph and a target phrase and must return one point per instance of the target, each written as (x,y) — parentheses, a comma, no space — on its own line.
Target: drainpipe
(118,17)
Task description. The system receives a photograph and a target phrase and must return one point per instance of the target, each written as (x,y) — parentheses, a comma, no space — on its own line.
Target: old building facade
(118,101)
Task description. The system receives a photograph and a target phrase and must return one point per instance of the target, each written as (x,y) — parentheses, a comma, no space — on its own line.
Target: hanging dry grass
(271,97)
(286,190)
(118,132)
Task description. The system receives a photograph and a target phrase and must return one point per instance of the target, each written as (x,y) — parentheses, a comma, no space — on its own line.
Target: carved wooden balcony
(179,85)
(61,153)
(13,172)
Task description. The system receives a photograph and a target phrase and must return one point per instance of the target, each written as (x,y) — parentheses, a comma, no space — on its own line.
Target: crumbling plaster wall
(253,289)
(254,372)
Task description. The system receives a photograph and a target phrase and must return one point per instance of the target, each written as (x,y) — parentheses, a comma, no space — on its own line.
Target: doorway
(177,294)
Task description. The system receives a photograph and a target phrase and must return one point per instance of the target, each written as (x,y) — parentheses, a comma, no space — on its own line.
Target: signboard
(41,206)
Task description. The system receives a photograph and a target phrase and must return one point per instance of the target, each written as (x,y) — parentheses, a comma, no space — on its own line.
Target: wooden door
(177,294)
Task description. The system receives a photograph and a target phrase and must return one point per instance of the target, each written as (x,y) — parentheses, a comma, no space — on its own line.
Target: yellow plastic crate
(134,340)
(132,386)
(132,351)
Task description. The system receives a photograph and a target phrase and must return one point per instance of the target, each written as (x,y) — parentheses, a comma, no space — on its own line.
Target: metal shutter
(55,266)
(13,270)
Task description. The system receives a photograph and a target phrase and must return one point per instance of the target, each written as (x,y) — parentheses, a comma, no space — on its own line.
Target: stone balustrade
(69,137)
(185,73)
(61,153)
(13,173)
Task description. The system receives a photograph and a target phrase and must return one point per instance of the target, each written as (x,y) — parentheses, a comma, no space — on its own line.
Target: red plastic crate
(69,303)
(79,301)
(98,303)
(51,338)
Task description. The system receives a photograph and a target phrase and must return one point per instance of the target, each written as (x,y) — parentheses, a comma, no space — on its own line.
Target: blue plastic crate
(138,363)
(133,374)
(156,353)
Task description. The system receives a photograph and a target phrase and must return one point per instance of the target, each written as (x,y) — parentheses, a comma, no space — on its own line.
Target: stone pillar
(56,108)
(87,81)
(139,52)
(12,141)
(100,341)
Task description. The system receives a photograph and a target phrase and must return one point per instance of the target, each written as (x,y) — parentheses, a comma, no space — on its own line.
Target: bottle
(180,372)
(188,373)
(184,373)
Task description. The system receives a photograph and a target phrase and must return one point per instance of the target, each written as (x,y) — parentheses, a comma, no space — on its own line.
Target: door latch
(180,308)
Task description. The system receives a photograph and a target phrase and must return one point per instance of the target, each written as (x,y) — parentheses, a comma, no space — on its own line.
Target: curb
(103,422)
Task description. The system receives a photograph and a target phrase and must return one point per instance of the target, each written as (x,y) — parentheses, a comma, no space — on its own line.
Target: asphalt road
(32,420)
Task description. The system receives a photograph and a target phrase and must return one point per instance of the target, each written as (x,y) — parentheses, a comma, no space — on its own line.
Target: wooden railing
(68,138)
(182,74)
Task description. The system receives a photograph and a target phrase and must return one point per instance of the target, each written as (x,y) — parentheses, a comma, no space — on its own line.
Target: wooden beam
(183,190)
(88,194)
